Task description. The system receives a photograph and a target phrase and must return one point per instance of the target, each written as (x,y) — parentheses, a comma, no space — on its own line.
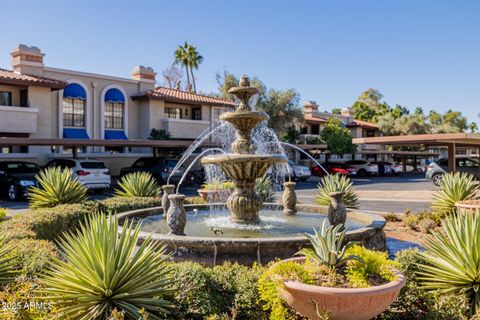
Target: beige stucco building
(37,101)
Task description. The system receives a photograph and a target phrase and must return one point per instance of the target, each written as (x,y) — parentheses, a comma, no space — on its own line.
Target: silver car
(436,169)
(298,172)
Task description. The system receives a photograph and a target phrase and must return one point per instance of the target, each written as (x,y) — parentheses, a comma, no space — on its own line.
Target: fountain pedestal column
(244,203)
(289,199)
(176,215)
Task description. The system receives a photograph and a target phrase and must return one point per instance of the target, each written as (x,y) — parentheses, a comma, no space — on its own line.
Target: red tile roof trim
(363,124)
(174,95)
(10,76)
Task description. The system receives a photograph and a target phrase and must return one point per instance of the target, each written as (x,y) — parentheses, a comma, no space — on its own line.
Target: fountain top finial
(244,92)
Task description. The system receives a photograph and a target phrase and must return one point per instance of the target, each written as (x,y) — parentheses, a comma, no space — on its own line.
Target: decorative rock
(337,212)
(176,215)
(168,189)
(289,199)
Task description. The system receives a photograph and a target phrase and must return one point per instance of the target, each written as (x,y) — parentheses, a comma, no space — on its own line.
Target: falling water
(194,161)
(305,153)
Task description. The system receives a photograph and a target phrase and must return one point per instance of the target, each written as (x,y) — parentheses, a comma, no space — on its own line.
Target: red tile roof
(174,95)
(363,124)
(12,77)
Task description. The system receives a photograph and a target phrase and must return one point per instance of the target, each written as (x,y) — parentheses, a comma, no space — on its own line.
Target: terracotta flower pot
(468,206)
(340,303)
(214,195)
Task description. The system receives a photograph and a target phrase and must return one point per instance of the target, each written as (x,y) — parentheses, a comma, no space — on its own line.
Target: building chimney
(145,74)
(310,108)
(27,60)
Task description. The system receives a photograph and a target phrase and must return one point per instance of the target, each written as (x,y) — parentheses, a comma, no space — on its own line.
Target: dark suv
(159,167)
(16,177)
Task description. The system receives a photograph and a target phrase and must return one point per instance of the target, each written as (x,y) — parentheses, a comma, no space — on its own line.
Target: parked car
(16,177)
(436,169)
(90,172)
(334,168)
(363,167)
(159,167)
(298,172)
(387,168)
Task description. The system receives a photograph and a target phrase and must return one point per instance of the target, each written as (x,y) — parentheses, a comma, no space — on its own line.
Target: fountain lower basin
(276,236)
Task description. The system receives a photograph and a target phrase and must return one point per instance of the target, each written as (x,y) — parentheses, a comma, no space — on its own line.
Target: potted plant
(217,191)
(336,280)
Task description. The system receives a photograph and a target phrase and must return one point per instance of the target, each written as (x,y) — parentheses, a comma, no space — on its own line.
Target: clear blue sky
(417,53)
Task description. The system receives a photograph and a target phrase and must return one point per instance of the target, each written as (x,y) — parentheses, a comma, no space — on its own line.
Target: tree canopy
(337,137)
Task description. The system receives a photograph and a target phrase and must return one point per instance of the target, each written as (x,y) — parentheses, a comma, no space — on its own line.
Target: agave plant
(7,265)
(102,270)
(264,188)
(451,263)
(454,187)
(328,246)
(57,186)
(336,183)
(138,184)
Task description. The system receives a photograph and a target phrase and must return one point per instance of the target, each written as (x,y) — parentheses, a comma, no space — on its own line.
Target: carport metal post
(452,151)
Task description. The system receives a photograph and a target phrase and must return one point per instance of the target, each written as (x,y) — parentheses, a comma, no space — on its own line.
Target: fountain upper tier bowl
(244,166)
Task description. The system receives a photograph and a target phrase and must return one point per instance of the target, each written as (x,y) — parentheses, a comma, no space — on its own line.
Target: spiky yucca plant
(328,246)
(7,264)
(454,187)
(264,188)
(336,183)
(138,184)
(451,262)
(58,186)
(102,270)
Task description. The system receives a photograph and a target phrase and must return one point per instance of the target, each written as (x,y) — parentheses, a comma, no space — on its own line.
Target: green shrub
(336,183)
(33,256)
(426,225)
(58,186)
(138,184)
(392,217)
(264,188)
(415,303)
(371,263)
(227,291)
(272,279)
(218,185)
(3,214)
(104,270)
(454,187)
(118,205)
(195,200)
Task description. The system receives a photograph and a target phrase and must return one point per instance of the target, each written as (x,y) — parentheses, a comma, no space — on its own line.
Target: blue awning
(74,91)
(114,95)
(74,133)
(115,135)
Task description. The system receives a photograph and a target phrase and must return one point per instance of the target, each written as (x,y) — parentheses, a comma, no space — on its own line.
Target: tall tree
(181,58)
(337,137)
(194,60)
(172,75)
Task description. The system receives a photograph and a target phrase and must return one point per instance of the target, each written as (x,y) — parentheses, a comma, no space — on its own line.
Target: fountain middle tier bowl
(211,237)
(244,166)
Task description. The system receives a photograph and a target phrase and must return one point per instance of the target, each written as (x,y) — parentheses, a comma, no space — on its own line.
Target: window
(114,109)
(74,104)
(197,114)
(173,113)
(5,98)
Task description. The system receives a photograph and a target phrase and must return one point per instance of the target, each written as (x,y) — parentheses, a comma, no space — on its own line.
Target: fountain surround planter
(211,250)
(468,206)
(340,303)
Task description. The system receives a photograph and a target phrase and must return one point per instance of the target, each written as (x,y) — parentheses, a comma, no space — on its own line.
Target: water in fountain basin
(217,223)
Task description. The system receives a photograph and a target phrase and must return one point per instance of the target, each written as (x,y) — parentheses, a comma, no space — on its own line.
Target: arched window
(114,109)
(74,105)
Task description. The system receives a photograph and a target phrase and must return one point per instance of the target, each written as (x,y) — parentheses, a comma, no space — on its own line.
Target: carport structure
(451,141)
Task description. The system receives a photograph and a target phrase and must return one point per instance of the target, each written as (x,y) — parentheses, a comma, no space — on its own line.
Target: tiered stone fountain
(249,230)
(244,166)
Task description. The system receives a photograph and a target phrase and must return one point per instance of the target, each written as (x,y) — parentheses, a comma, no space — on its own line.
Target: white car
(90,172)
(363,167)
(298,172)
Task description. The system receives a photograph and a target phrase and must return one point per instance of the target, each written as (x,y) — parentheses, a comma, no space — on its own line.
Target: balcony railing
(18,119)
(184,128)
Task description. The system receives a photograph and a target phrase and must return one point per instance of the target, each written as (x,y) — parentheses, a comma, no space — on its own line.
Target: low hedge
(49,223)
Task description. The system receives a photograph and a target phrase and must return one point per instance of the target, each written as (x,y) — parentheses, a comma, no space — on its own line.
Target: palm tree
(194,59)
(181,57)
